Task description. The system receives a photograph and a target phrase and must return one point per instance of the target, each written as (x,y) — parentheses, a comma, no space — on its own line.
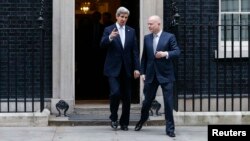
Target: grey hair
(122,10)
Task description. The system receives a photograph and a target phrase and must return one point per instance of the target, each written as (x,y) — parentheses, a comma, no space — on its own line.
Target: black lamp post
(41,27)
(175,14)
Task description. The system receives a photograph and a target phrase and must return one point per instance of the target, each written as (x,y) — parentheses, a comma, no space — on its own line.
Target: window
(234,19)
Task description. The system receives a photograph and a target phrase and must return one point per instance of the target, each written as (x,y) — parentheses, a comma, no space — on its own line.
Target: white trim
(244,45)
(63,53)
(236,47)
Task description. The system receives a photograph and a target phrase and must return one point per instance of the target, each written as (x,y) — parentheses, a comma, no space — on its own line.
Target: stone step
(98,120)
(103,109)
(99,115)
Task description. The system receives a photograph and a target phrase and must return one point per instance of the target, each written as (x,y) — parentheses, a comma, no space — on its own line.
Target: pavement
(101,133)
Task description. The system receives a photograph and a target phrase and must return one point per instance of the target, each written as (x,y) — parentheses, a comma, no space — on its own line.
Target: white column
(148,8)
(63,53)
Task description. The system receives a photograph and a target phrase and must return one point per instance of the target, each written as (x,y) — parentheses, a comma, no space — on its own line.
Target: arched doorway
(89,79)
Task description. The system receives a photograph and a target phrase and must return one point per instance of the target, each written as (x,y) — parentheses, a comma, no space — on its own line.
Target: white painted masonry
(63,53)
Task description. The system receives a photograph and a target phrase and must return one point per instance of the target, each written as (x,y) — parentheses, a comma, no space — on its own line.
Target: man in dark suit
(159,50)
(121,64)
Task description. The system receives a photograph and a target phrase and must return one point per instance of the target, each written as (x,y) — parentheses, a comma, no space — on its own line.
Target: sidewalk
(101,133)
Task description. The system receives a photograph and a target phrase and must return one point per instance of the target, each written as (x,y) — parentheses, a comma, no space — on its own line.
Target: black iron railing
(213,73)
(21,69)
(22,66)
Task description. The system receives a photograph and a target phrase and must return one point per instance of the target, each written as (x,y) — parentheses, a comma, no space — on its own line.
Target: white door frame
(64,47)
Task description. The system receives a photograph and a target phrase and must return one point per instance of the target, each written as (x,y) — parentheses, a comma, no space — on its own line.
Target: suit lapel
(161,37)
(126,37)
(127,33)
(151,43)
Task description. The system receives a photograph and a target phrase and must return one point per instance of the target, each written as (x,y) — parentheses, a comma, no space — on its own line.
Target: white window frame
(236,47)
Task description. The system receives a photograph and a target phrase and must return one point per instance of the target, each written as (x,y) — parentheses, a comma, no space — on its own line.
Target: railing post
(41,27)
(174,29)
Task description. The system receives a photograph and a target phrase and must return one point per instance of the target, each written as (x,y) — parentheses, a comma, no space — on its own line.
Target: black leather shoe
(171,134)
(138,126)
(114,124)
(124,128)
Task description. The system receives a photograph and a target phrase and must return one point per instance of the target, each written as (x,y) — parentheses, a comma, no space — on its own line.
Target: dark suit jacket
(163,68)
(117,55)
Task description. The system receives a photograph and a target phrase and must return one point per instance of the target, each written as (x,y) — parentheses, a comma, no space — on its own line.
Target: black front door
(91,84)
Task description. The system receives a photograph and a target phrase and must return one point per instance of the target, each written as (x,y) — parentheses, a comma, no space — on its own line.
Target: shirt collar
(159,33)
(118,26)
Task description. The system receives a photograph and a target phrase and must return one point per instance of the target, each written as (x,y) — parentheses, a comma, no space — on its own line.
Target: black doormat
(87,117)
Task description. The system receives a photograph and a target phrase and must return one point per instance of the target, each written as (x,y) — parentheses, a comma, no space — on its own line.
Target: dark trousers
(150,90)
(120,90)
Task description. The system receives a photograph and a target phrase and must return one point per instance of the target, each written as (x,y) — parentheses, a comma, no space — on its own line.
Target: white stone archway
(64,47)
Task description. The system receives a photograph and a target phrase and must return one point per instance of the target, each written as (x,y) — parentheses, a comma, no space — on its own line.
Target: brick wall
(20,48)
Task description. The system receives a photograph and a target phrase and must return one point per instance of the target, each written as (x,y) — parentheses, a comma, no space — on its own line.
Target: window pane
(229,5)
(227,20)
(245,19)
(245,5)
